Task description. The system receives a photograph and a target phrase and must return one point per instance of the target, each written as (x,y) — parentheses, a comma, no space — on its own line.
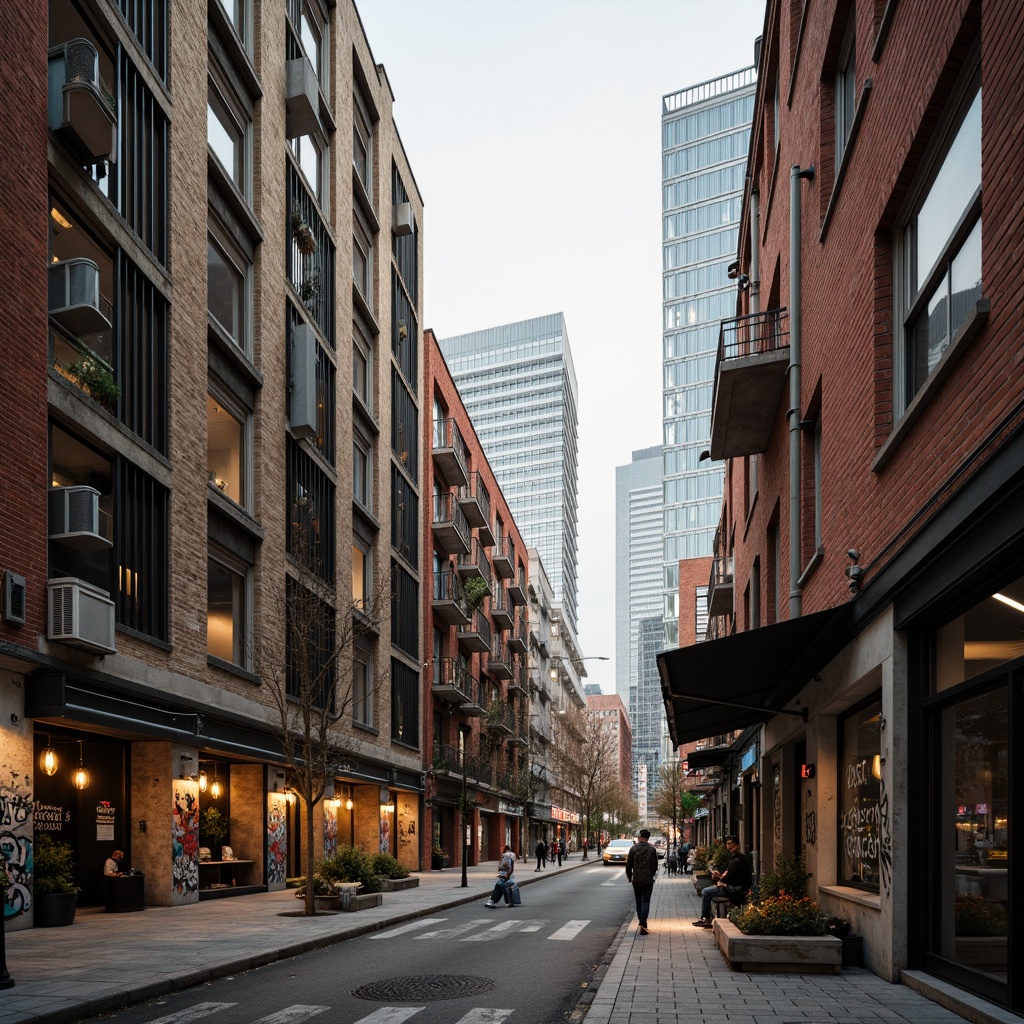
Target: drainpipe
(755,253)
(795,590)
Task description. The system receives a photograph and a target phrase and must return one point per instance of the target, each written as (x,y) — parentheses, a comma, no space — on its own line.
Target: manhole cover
(425,988)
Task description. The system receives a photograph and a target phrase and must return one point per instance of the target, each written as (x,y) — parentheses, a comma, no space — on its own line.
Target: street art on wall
(277,839)
(330,829)
(16,840)
(185,839)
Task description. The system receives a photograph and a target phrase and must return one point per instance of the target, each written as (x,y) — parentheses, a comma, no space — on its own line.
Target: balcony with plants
(310,257)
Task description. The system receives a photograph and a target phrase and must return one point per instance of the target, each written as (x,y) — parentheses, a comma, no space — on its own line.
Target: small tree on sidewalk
(309,673)
(584,761)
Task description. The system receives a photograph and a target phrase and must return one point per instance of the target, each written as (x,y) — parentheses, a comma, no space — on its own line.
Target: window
(362,368)
(227,450)
(313,30)
(239,14)
(845,89)
(940,245)
(860,794)
(362,263)
(361,484)
(227,605)
(227,137)
(360,575)
(311,155)
(362,144)
(362,688)
(227,287)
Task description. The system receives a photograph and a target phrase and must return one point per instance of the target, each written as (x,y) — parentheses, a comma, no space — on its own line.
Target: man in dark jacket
(733,882)
(641,870)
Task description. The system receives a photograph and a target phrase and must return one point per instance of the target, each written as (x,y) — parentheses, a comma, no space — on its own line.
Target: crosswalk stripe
(453,933)
(607,883)
(569,931)
(422,923)
(485,1015)
(292,1014)
(196,1012)
(391,1015)
(504,928)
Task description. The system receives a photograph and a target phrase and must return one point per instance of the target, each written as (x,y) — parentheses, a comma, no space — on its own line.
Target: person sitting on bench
(733,882)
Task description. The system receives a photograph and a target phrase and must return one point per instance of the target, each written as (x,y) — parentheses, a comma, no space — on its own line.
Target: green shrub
(350,864)
(213,826)
(700,858)
(94,377)
(781,915)
(53,869)
(979,917)
(718,857)
(388,866)
(788,876)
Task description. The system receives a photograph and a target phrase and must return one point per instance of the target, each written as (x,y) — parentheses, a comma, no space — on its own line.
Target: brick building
(609,707)
(205,445)
(869,403)
(477,684)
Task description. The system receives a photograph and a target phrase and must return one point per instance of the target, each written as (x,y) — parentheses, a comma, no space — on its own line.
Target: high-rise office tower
(639,532)
(519,386)
(646,709)
(705,135)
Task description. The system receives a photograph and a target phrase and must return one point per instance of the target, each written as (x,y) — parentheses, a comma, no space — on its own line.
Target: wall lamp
(854,572)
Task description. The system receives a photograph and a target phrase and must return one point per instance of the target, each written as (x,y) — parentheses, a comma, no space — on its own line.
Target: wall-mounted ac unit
(402,219)
(76,520)
(14,598)
(81,615)
(302,408)
(76,103)
(73,293)
(302,98)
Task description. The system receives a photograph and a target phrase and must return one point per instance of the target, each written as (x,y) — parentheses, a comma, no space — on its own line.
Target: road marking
(391,1015)
(485,1015)
(505,928)
(608,883)
(292,1014)
(569,931)
(452,933)
(196,1012)
(422,923)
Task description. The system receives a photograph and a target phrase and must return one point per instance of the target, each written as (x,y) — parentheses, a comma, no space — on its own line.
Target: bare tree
(585,757)
(309,672)
(674,801)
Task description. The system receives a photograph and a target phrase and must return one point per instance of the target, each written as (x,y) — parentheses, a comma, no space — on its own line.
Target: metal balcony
(476,706)
(720,587)
(750,376)
(503,556)
(448,603)
(519,685)
(451,681)
(500,721)
(474,564)
(73,297)
(476,503)
(450,453)
(501,608)
(499,663)
(517,638)
(449,526)
(77,102)
(517,588)
(475,637)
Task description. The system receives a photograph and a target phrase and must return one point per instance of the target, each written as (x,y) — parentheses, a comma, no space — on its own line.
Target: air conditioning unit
(402,219)
(302,407)
(73,294)
(76,520)
(14,598)
(81,615)
(76,104)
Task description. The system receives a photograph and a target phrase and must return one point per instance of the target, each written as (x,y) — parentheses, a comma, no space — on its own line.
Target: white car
(616,851)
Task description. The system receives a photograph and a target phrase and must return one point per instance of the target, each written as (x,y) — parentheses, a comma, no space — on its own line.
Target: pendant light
(80,778)
(215,788)
(48,762)
(202,780)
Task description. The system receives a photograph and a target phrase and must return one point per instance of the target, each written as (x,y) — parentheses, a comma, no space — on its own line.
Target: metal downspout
(795,589)
(755,253)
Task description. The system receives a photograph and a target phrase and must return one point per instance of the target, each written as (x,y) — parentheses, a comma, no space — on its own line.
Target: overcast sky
(533,128)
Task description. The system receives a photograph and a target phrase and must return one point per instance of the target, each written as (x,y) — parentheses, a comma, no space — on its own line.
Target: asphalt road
(469,965)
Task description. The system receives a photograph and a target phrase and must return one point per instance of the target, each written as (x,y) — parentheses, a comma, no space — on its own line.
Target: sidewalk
(675,974)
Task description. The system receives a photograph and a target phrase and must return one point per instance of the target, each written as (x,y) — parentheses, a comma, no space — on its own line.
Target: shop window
(864,848)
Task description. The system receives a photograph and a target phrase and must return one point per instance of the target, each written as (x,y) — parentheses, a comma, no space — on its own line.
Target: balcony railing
(517,638)
(517,588)
(750,375)
(452,682)
(501,608)
(476,503)
(449,603)
(449,526)
(80,106)
(503,555)
(519,685)
(450,452)
(720,587)
(474,564)
(499,663)
(475,636)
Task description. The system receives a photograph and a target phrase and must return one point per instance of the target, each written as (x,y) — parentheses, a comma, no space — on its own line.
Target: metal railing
(753,334)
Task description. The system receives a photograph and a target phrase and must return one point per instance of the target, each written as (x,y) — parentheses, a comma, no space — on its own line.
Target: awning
(714,687)
(710,758)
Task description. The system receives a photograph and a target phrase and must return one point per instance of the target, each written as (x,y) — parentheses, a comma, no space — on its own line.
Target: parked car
(660,845)
(616,851)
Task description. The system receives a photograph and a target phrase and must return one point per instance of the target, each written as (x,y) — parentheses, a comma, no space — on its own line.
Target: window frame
(238,569)
(362,132)
(232,113)
(234,257)
(362,718)
(844,106)
(362,483)
(841,806)
(362,243)
(243,416)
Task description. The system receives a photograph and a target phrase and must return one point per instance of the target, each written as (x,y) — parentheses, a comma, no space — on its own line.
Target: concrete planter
(325,903)
(780,953)
(398,884)
(353,901)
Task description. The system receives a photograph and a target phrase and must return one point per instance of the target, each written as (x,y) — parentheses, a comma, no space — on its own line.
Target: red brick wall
(23,340)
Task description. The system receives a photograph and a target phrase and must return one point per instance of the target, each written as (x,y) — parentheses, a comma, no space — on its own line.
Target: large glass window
(862,844)
(226,608)
(941,247)
(226,454)
(227,288)
(361,490)
(360,575)
(226,138)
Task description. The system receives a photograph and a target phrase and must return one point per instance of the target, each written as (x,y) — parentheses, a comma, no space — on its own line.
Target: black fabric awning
(711,758)
(714,687)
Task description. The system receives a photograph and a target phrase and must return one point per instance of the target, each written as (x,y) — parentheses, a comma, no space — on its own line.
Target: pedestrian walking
(641,870)
(586,847)
(542,854)
(559,850)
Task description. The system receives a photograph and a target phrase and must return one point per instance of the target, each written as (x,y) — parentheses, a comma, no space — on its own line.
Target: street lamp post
(465,827)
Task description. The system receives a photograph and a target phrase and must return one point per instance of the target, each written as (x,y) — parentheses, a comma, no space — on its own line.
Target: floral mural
(185,840)
(330,829)
(16,840)
(277,839)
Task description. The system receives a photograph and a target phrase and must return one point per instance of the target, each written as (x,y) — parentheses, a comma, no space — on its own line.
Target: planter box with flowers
(391,875)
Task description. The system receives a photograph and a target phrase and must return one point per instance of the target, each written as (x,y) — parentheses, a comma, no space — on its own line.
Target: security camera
(853,554)
(855,574)
(743,282)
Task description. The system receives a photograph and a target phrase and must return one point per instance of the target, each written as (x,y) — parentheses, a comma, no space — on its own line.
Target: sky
(533,129)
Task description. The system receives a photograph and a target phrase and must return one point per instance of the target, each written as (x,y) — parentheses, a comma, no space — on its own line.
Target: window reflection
(225,594)
(224,445)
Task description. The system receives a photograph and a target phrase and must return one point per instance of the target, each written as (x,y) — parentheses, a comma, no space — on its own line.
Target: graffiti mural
(16,840)
(330,829)
(277,840)
(185,840)
(885,846)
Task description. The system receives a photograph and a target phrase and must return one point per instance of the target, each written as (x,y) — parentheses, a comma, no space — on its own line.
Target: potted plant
(392,875)
(53,882)
(438,858)
(473,592)
(303,235)
(96,380)
(213,829)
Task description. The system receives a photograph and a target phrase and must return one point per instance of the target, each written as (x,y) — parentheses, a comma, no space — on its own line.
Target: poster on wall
(277,835)
(105,815)
(185,840)
(330,829)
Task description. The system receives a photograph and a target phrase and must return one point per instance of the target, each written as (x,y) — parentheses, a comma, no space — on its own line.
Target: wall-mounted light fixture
(80,778)
(854,573)
(48,760)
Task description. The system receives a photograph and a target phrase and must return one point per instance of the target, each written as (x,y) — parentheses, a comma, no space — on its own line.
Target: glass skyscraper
(705,133)
(518,385)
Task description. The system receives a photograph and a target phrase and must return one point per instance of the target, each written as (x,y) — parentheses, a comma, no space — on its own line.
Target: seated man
(505,869)
(733,882)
